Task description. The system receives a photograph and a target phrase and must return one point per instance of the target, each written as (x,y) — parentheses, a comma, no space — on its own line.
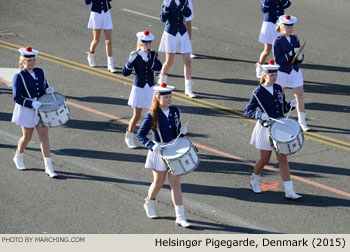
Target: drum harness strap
(171,142)
(268,124)
(25,86)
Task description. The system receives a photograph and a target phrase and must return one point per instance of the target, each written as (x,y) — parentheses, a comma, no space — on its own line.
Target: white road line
(149,16)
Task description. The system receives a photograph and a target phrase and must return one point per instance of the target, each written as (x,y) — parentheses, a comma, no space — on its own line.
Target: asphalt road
(102,184)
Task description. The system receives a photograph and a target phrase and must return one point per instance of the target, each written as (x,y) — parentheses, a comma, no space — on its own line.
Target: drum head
(48,98)
(284,132)
(181,146)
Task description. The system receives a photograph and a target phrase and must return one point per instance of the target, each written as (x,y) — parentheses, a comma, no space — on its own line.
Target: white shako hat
(145,36)
(287,20)
(163,89)
(271,67)
(28,52)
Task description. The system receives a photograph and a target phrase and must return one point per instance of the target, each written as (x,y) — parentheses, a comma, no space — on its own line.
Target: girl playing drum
(166,119)
(28,85)
(272,99)
(145,61)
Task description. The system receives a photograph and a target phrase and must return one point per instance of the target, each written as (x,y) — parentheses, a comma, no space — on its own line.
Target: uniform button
(275,100)
(37,88)
(170,126)
(278,11)
(38,93)
(277,6)
(277,111)
(276,106)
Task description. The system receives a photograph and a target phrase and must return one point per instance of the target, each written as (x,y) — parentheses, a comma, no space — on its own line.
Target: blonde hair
(21,62)
(263,78)
(279,27)
(138,45)
(154,112)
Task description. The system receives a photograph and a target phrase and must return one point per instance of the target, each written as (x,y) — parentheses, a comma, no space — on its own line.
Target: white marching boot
(18,159)
(180,217)
(188,88)
(289,191)
(259,70)
(129,139)
(149,207)
(110,66)
(91,59)
(255,183)
(48,167)
(302,122)
(163,78)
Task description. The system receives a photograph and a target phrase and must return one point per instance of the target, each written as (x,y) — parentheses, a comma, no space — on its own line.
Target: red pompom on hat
(29,49)
(288,17)
(271,62)
(163,85)
(146,33)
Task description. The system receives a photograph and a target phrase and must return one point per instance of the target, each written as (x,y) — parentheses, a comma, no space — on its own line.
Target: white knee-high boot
(163,78)
(91,59)
(18,159)
(149,207)
(255,183)
(259,70)
(48,167)
(188,88)
(302,122)
(110,66)
(289,191)
(129,139)
(180,217)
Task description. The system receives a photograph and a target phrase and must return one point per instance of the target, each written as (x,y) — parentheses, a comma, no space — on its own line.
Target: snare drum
(287,137)
(53,112)
(181,157)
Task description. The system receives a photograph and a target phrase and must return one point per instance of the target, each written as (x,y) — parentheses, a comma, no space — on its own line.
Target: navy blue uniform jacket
(275,105)
(144,71)
(281,49)
(169,127)
(273,9)
(99,5)
(36,87)
(174,15)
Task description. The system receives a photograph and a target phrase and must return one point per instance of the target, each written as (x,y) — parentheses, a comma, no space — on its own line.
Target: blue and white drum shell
(180,158)
(286,137)
(54,111)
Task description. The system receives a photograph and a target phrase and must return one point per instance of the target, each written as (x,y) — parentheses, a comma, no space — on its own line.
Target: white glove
(265,117)
(291,53)
(300,57)
(156,147)
(36,104)
(183,130)
(49,90)
(293,102)
(144,55)
(296,49)
(167,2)
(133,56)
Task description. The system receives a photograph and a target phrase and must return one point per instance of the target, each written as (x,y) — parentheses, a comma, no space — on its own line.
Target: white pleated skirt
(26,117)
(268,33)
(175,44)
(141,97)
(292,80)
(155,161)
(100,21)
(260,138)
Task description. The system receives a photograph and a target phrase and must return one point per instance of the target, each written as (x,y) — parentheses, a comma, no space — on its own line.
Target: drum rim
(61,102)
(182,138)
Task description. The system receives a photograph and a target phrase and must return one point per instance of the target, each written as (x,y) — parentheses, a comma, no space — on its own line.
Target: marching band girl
(164,121)
(290,75)
(28,85)
(145,61)
(100,18)
(272,99)
(175,39)
(272,10)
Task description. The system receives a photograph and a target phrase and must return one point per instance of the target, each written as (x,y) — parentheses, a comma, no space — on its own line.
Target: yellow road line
(178,96)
